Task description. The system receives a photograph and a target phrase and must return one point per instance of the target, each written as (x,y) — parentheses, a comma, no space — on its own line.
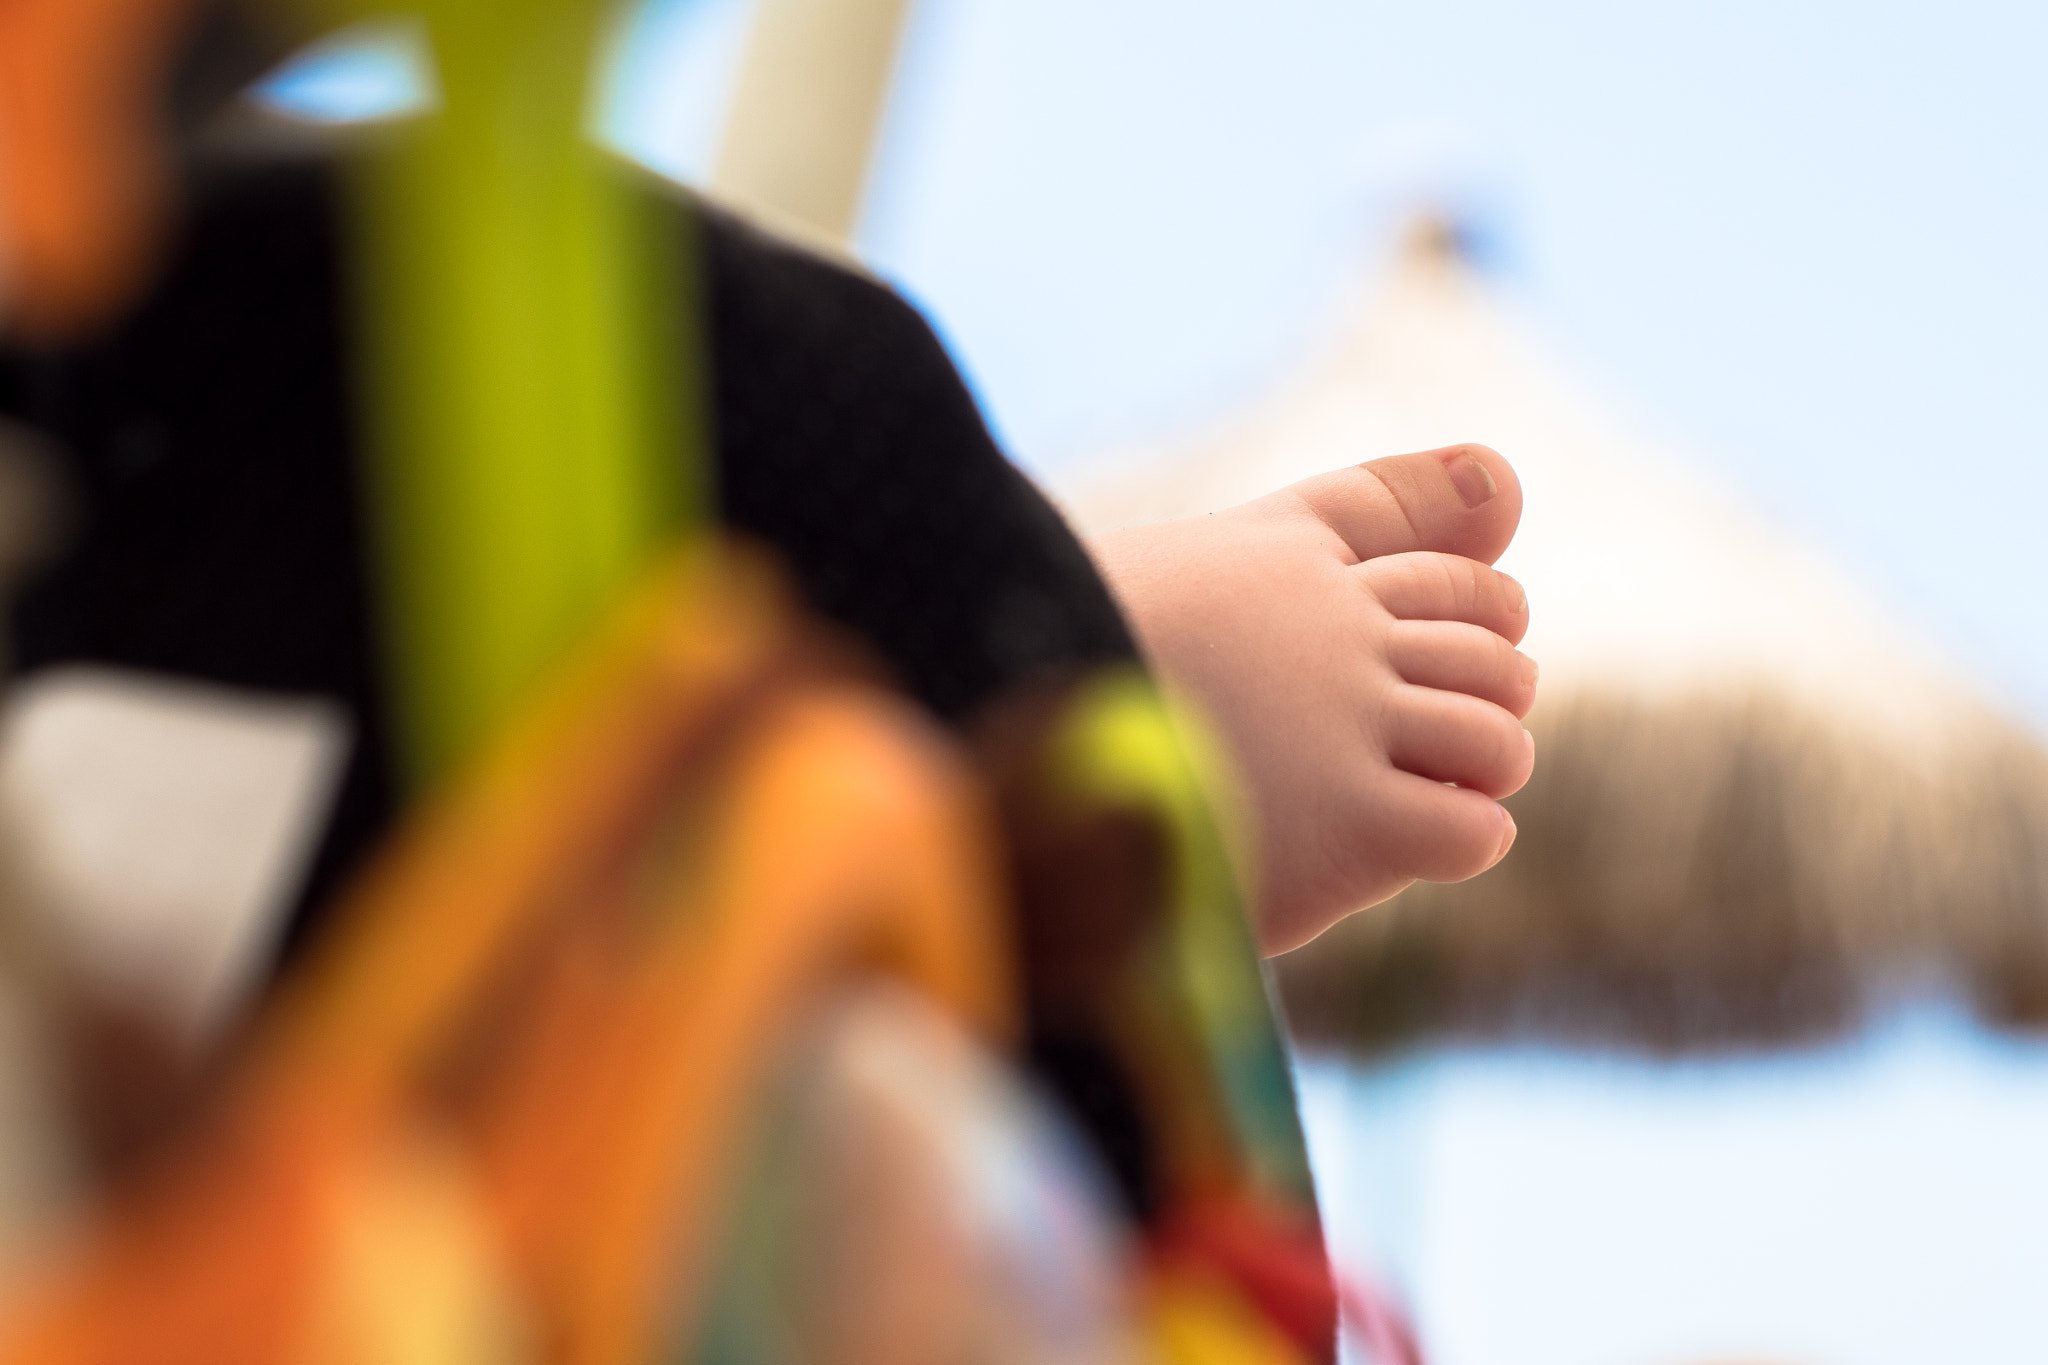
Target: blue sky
(1804,241)
(1877,1202)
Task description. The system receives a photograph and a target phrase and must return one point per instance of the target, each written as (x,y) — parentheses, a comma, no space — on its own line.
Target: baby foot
(1354,649)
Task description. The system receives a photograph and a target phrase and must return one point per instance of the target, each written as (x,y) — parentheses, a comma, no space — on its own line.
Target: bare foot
(1349,641)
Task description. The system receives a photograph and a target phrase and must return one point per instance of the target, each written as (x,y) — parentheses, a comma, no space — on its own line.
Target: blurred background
(1738,1057)
(1788,257)
(1803,240)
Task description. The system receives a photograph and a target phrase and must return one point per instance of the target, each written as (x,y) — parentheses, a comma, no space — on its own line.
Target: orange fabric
(83,184)
(572,972)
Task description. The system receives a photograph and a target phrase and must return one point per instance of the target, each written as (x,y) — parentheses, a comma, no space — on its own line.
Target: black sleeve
(209,441)
(847,440)
(207,444)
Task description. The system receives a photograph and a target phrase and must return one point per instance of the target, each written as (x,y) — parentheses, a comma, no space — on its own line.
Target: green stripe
(535,431)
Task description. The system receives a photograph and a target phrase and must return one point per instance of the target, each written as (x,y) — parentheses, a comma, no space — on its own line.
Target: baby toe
(1455,657)
(1462,500)
(1452,737)
(1425,586)
(1444,834)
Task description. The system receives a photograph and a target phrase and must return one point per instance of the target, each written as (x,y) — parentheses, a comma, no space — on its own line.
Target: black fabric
(218,534)
(847,440)
(208,444)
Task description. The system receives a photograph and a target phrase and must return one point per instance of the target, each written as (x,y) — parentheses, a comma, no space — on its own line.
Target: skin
(1352,644)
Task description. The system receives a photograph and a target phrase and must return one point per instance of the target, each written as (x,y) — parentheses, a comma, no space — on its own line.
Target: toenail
(1507,834)
(1518,601)
(1528,669)
(1471,477)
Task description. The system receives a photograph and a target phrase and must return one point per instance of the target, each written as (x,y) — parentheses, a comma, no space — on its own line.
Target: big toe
(1462,500)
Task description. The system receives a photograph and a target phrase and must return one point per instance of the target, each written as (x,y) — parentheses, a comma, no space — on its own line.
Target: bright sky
(1880,1202)
(1803,239)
